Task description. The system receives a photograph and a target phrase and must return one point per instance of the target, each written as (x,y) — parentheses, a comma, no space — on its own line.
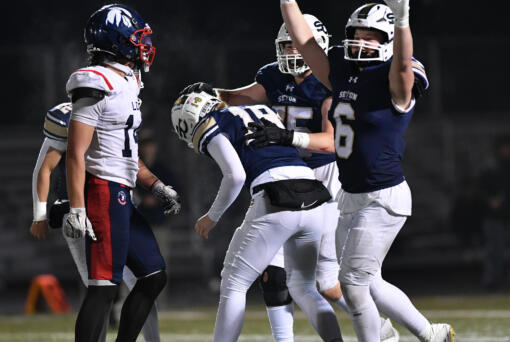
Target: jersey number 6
(344,135)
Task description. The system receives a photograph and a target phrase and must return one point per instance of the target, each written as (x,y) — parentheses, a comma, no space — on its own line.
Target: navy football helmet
(122,32)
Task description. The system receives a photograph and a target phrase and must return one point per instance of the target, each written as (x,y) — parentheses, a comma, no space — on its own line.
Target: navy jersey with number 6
(369,131)
(233,123)
(299,105)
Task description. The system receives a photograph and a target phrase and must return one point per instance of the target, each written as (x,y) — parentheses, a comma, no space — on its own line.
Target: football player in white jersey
(289,86)
(102,168)
(50,158)
(375,81)
(287,209)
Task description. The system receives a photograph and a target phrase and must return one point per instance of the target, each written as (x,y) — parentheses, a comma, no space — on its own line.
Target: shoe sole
(451,335)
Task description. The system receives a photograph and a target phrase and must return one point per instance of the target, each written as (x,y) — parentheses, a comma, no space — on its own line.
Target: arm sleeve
(88,110)
(39,208)
(222,151)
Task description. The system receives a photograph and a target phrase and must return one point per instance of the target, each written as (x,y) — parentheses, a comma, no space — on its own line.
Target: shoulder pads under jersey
(89,77)
(56,122)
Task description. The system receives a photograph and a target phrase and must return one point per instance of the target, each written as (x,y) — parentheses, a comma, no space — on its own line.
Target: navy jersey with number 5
(299,105)
(369,131)
(233,123)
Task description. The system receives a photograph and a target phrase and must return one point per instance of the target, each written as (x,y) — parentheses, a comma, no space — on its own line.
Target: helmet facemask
(290,63)
(142,40)
(372,17)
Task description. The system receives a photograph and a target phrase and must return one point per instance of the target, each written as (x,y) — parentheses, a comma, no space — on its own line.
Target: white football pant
(264,230)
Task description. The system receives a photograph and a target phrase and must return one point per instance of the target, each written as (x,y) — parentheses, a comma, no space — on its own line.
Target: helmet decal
(116,15)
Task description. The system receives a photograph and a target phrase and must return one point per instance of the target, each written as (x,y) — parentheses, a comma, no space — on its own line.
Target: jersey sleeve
(265,76)
(222,151)
(88,111)
(206,129)
(88,78)
(56,122)
(419,71)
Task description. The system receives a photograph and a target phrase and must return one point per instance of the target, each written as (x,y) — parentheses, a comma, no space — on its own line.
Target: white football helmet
(187,111)
(370,16)
(293,63)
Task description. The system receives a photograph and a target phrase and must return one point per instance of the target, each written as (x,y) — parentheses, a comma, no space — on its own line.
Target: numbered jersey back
(113,152)
(233,122)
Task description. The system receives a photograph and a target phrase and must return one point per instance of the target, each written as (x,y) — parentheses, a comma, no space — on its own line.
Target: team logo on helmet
(115,16)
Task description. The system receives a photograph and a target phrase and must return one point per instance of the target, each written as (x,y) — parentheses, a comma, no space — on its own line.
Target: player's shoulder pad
(270,70)
(421,82)
(56,121)
(93,77)
(202,131)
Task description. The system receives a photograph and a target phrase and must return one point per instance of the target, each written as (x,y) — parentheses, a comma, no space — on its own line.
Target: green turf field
(476,318)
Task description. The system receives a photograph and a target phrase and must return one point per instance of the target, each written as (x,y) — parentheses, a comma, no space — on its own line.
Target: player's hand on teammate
(168,197)
(204,225)
(267,133)
(199,87)
(400,9)
(77,224)
(39,229)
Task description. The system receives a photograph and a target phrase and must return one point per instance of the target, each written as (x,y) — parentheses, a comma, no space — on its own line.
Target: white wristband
(39,211)
(77,211)
(301,140)
(402,22)
(286,1)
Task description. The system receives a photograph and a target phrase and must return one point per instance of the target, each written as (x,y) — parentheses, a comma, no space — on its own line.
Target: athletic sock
(364,315)
(281,319)
(93,312)
(395,304)
(138,304)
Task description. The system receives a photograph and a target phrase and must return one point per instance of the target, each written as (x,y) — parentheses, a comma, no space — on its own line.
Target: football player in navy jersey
(289,86)
(374,81)
(52,158)
(287,208)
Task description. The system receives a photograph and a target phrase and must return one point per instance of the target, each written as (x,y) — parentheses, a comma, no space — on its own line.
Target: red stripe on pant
(98,212)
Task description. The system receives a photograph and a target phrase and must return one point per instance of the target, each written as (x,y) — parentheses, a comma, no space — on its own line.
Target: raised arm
(49,156)
(248,95)
(303,40)
(222,151)
(401,75)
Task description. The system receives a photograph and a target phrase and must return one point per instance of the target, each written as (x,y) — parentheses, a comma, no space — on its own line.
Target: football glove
(168,198)
(400,9)
(77,224)
(199,87)
(267,133)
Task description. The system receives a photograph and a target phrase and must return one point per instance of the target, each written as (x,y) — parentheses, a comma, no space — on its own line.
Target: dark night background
(443,247)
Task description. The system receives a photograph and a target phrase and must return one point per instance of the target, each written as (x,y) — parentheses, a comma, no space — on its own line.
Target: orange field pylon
(48,286)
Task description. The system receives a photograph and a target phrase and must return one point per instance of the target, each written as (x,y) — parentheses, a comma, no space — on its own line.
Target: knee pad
(274,286)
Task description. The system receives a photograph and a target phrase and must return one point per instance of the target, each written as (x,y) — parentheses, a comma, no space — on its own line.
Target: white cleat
(441,332)
(388,332)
